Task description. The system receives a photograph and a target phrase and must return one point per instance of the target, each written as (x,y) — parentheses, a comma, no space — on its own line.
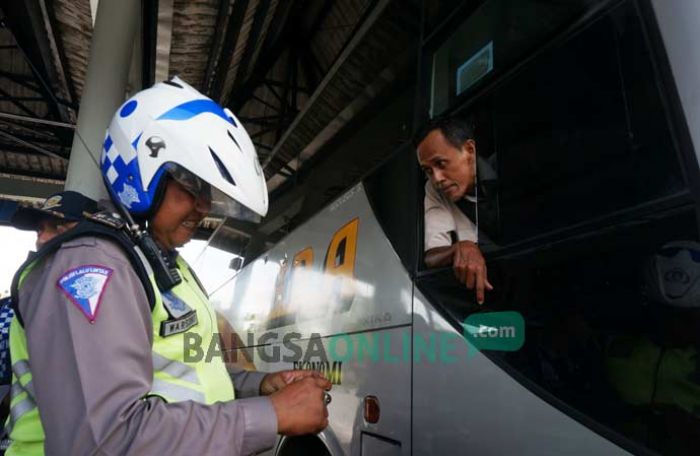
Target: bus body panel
(378,363)
(466,401)
(334,297)
(336,274)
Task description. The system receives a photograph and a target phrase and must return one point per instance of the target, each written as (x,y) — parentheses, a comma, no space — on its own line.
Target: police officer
(97,350)
(58,213)
(658,374)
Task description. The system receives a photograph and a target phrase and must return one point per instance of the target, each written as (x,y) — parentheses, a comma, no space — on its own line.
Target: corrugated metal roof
(384,42)
(13,62)
(343,18)
(193,35)
(39,165)
(267,59)
(74,24)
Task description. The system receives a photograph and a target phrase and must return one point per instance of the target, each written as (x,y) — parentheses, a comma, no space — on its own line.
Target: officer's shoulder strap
(99,225)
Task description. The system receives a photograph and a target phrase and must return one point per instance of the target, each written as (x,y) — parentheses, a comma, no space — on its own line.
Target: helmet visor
(218,203)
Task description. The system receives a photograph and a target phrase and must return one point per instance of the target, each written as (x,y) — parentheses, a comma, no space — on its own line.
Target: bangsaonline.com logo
(495,331)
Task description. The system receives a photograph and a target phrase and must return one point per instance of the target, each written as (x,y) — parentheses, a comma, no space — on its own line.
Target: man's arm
(439,256)
(465,257)
(467,263)
(246,380)
(246,383)
(92,379)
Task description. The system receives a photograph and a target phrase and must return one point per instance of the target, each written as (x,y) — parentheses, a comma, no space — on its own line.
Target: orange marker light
(371,409)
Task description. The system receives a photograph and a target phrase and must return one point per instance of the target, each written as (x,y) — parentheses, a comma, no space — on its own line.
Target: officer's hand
(275,381)
(300,407)
(470,268)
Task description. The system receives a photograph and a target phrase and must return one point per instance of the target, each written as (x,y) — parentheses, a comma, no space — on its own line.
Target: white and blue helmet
(172,128)
(673,275)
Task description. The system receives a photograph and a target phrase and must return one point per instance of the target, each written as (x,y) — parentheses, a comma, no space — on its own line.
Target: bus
(586,115)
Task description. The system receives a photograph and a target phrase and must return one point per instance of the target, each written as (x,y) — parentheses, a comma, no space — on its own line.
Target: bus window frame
(668,92)
(680,136)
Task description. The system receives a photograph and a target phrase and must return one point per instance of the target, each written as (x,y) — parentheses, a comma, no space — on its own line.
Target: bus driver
(447,154)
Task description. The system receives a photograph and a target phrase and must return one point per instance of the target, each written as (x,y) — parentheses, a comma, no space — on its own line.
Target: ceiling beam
(7,115)
(21,188)
(252,44)
(18,104)
(275,43)
(288,36)
(34,36)
(22,142)
(357,38)
(222,19)
(231,36)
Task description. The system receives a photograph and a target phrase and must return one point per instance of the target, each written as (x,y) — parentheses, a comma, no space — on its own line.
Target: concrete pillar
(105,84)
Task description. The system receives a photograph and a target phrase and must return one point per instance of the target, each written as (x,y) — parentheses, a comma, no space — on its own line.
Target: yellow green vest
(640,373)
(174,379)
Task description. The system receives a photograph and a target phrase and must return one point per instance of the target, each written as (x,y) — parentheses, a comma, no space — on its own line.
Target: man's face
(178,216)
(450,170)
(49,228)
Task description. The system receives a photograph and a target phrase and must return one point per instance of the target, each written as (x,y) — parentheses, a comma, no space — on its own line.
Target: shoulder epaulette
(107,218)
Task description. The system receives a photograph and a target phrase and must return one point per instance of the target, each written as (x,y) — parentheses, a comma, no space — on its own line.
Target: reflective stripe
(175,369)
(17,388)
(29,388)
(18,410)
(176,392)
(20,368)
(144,261)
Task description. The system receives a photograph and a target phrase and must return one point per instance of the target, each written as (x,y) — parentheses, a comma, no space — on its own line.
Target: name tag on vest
(178,325)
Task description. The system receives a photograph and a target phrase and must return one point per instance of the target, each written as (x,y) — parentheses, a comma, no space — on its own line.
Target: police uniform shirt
(92,379)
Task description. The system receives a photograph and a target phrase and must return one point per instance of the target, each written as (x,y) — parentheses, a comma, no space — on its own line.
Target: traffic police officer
(56,215)
(657,374)
(97,351)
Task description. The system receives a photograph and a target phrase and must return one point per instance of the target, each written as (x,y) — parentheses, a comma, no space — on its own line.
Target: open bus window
(457,157)
(591,215)
(580,134)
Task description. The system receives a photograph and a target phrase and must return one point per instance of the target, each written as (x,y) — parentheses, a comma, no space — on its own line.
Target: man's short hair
(455,130)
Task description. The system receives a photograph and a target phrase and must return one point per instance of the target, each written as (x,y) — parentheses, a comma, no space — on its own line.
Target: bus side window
(595,235)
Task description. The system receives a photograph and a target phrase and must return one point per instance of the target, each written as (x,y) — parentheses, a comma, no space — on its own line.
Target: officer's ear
(64,226)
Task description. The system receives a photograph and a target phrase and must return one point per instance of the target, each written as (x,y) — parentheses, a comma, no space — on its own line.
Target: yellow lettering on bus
(339,265)
(340,257)
(304,259)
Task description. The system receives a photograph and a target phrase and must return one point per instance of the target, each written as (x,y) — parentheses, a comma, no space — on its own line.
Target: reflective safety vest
(204,381)
(643,374)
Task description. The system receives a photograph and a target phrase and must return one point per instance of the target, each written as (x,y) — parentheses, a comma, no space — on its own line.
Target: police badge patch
(84,286)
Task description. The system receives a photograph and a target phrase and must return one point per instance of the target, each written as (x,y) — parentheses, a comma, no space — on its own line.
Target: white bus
(588,114)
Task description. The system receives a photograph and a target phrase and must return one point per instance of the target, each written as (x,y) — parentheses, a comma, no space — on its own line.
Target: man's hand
(275,381)
(300,406)
(470,268)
